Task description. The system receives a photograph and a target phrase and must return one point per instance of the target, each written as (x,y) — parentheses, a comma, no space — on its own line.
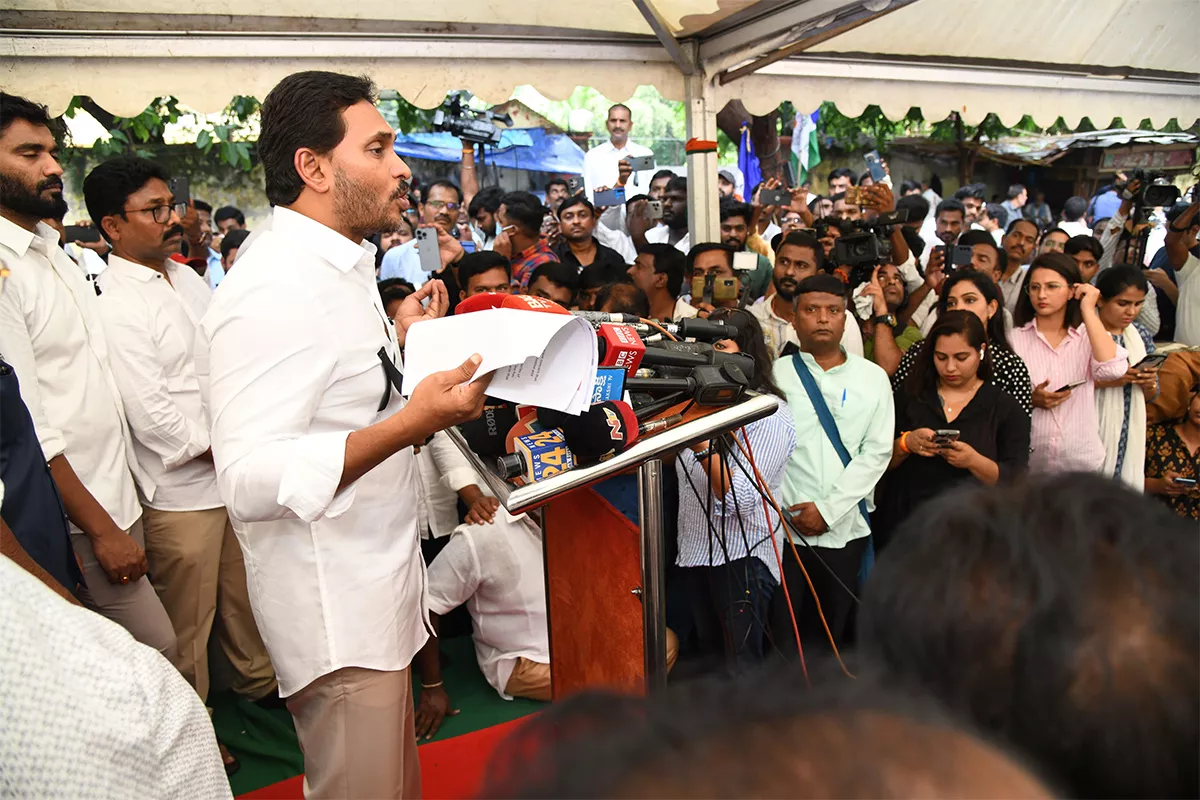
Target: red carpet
(451,769)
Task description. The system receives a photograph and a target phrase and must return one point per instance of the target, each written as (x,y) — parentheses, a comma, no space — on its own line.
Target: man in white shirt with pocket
(51,334)
(600,164)
(299,368)
(150,306)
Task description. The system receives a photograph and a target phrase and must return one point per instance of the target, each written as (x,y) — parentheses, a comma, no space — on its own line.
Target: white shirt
(778,332)
(90,712)
(286,358)
(498,571)
(600,165)
(1187,310)
(151,328)
(443,471)
(403,262)
(1076,228)
(52,336)
(621,242)
(684,309)
(660,234)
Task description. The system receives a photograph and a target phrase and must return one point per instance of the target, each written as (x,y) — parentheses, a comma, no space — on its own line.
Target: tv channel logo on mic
(545,454)
(610,384)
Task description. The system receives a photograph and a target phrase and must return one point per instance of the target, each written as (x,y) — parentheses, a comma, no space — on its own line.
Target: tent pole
(700,101)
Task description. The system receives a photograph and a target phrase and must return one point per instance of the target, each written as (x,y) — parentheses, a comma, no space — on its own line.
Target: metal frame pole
(654,618)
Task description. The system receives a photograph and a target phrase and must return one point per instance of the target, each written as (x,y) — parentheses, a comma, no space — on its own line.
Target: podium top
(518,499)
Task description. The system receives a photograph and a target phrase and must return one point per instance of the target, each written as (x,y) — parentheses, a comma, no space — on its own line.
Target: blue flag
(748,163)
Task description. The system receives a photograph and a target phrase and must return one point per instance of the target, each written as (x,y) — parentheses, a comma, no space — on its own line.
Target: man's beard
(358,208)
(786,289)
(16,196)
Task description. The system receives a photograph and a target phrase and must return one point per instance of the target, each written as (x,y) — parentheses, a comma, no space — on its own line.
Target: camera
(860,252)
(468,124)
(1156,190)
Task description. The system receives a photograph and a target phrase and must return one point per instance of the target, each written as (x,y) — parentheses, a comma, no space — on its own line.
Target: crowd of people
(195,446)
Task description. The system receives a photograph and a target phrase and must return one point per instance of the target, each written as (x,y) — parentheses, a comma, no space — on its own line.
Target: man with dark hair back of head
(149,306)
(972,196)
(392,293)
(736,218)
(659,271)
(556,191)
(769,736)
(439,213)
(840,180)
(1072,217)
(1063,616)
(994,219)
(579,248)
(1017,195)
(1019,243)
(601,163)
(622,297)
(484,273)
(315,465)
(52,337)
(674,230)
(658,183)
(910,187)
(592,279)
(799,256)
(828,499)
(554,281)
(229,218)
(520,238)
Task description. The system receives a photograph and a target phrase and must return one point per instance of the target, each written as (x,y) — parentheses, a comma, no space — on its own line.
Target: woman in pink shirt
(1058,334)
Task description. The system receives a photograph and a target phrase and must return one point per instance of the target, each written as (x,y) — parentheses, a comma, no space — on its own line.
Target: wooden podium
(604,575)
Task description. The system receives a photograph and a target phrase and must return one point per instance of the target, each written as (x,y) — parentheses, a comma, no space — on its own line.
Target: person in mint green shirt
(884,342)
(825,498)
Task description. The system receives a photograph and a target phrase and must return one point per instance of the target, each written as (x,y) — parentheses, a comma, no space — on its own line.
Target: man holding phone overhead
(600,164)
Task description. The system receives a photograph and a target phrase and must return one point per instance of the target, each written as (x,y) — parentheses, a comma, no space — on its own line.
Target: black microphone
(597,434)
(487,436)
(696,328)
(689,355)
(597,317)
(709,385)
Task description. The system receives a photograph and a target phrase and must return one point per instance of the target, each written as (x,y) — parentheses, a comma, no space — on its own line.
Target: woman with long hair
(731,567)
(1121,404)
(953,425)
(1173,460)
(1058,334)
(969,290)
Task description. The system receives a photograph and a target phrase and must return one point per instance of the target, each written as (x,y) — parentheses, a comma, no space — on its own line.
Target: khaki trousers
(133,606)
(356,729)
(197,569)
(531,679)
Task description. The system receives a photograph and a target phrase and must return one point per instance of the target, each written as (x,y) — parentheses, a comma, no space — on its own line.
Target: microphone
(536,456)
(487,436)
(620,346)
(709,385)
(523,302)
(597,317)
(696,328)
(597,434)
(693,354)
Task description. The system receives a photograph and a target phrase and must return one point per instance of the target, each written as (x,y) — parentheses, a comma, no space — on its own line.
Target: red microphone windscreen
(528,302)
(480,302)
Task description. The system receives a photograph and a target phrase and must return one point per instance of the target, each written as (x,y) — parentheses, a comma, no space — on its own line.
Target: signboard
(1113,160)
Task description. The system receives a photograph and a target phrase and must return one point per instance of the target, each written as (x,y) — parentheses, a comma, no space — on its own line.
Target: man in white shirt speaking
(600,164)
(299,367)
(51,334)
(150,306)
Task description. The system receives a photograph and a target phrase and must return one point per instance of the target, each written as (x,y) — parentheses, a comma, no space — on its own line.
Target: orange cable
(661,329)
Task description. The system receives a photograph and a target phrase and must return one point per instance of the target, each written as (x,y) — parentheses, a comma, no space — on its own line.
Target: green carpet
(264,740)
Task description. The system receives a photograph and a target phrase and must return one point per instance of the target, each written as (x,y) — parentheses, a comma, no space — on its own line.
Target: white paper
(546,360)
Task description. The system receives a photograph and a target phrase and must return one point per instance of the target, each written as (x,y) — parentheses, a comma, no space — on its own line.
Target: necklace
(968,394)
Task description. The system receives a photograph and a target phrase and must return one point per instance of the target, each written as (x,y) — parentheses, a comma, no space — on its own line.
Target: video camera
(1157,190)
(468,124)
(868,247)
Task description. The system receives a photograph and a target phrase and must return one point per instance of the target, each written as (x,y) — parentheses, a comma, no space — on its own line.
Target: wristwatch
(885,319)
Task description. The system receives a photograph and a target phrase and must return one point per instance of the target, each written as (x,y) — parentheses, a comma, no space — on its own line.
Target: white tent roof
(1100,58)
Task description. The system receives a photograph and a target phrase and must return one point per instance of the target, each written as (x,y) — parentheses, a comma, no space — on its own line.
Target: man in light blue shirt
(825,498)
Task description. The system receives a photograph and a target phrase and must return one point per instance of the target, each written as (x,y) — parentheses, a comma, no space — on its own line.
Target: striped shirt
(716,530)
(529,259)
(1066,438)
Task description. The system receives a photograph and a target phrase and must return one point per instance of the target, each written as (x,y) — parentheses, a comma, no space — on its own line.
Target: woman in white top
(1121,403)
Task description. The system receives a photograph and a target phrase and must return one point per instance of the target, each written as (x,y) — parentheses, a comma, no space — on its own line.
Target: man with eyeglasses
(52,335)
(150,305)
(439,210)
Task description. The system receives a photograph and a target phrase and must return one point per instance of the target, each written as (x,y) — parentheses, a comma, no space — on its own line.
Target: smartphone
(1184,481)
(574,185)
(945,437)
(875,166)
(427,249)
(708,288)
(80,233)
(857,196)
(654,209)
(180,191)
(641,163)
(775,197)
(610,197)
(745,261)
(468,245)
(1071,385)
(789,175)
(1149,362)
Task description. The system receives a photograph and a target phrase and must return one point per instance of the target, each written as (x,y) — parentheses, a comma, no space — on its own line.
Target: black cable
(745,540)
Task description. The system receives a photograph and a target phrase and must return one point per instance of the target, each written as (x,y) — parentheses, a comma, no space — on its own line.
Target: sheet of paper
(547,360)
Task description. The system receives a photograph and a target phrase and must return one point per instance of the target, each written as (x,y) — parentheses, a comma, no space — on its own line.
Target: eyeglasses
(438,205)
(161,214)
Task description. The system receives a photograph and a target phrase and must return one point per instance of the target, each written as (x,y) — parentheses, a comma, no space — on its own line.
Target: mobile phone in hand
(181,193)
(610,197)
(944,437)
(427,249)
(1070,386)
(1151,361)
(875,165)
(774,197)
(80,233)
(654,209)
(641,163)
(1184,481)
